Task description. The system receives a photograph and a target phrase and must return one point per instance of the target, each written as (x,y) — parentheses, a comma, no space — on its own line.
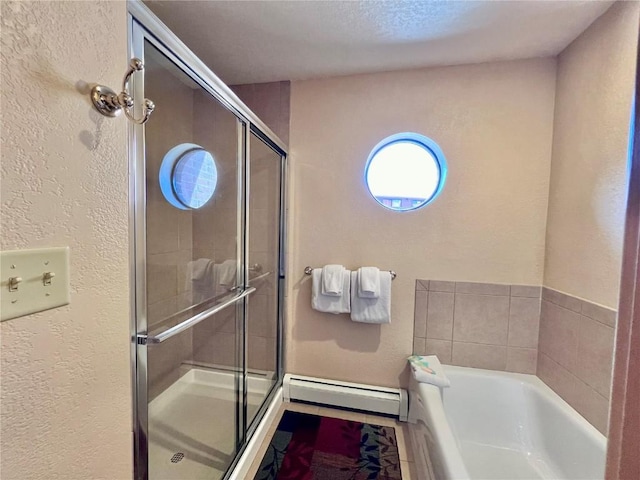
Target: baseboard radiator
(368,398)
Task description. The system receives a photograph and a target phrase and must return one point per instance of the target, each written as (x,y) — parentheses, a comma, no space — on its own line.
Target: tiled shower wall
(576,353)
(482,325)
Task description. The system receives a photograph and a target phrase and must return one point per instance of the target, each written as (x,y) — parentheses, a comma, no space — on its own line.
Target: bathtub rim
(451,456)
(536,383)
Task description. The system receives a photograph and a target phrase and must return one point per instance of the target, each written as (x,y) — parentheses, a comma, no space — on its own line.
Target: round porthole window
(405,171)
(188,176)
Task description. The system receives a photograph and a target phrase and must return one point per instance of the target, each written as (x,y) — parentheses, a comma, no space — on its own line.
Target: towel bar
(309,271)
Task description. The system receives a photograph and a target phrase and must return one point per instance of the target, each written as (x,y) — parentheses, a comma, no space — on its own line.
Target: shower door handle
(187,324)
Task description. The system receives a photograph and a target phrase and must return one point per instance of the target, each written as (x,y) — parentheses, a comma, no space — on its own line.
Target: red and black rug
(309,447)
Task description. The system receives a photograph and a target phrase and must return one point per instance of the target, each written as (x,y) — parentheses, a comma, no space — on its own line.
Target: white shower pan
(191,434)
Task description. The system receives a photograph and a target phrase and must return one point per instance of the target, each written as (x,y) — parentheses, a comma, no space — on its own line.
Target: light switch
(33,280)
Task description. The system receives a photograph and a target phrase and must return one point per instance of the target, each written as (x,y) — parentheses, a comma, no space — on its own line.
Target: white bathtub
(493,425)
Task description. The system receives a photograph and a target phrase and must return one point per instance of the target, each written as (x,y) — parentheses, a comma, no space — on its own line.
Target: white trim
(258,437)
(357,396)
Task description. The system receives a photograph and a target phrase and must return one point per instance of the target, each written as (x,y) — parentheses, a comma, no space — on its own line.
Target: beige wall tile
(482,288)
(558,378)
(162,281)
(185,238)
(493,357)
(440,315)
(592,406)
(258,316)
(524,321)
(165,359)
(441,348)
(258,353)
(601,314)
(422,284)
(595,355)
(530,291)
(163,227)
(562,299)
(156,312)
(559,329)
(420,314)
(442,286)
(419,346)
(481,319)
(522,360)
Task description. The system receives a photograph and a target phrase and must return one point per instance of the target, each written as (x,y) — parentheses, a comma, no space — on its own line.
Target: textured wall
(66,398)
(587,195)
(494,124)
(587,205)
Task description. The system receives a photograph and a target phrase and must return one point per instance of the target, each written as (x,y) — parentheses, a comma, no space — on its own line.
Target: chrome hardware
(187,324)
(309,271)
(110,104)
(13,283)
(46,278)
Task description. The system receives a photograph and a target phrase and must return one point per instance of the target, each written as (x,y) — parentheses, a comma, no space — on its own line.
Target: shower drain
(177,457)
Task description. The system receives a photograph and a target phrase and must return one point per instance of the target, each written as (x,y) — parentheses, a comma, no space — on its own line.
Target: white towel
(428,370)
(200,279)
(371,310)
(227,272)
(368,282)
(333,280)
(197,269)
(328,303)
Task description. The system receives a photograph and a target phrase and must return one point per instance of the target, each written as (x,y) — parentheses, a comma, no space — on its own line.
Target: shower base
(192,424)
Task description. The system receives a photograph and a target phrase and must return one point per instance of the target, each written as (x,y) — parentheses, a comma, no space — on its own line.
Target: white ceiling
(263,41)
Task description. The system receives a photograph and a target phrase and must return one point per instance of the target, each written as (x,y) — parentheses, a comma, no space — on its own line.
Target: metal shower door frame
(144,25)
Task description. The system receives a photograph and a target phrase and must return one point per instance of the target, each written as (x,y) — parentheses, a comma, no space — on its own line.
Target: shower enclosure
(207,215)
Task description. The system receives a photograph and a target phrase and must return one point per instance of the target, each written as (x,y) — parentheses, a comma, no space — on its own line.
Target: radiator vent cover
(369,398)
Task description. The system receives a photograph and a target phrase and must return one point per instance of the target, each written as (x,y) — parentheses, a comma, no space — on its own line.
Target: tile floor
(402,434)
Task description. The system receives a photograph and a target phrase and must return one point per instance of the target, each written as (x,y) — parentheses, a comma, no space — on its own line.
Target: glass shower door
(207,202)
(263,218)
(191,313)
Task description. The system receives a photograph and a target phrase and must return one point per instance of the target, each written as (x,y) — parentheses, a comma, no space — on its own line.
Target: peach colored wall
(587,195)
(66,396)
(271,102)
(494,124)
(587,205)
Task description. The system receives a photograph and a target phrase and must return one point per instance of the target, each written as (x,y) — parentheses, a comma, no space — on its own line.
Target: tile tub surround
(482,325)
(576,353)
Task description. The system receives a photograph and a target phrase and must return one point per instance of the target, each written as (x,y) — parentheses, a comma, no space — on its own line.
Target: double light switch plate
(33,280)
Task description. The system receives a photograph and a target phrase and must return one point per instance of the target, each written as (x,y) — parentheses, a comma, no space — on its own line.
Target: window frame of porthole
(431,148)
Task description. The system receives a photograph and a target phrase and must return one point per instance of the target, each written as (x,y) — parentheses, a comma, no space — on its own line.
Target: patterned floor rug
(309,447)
